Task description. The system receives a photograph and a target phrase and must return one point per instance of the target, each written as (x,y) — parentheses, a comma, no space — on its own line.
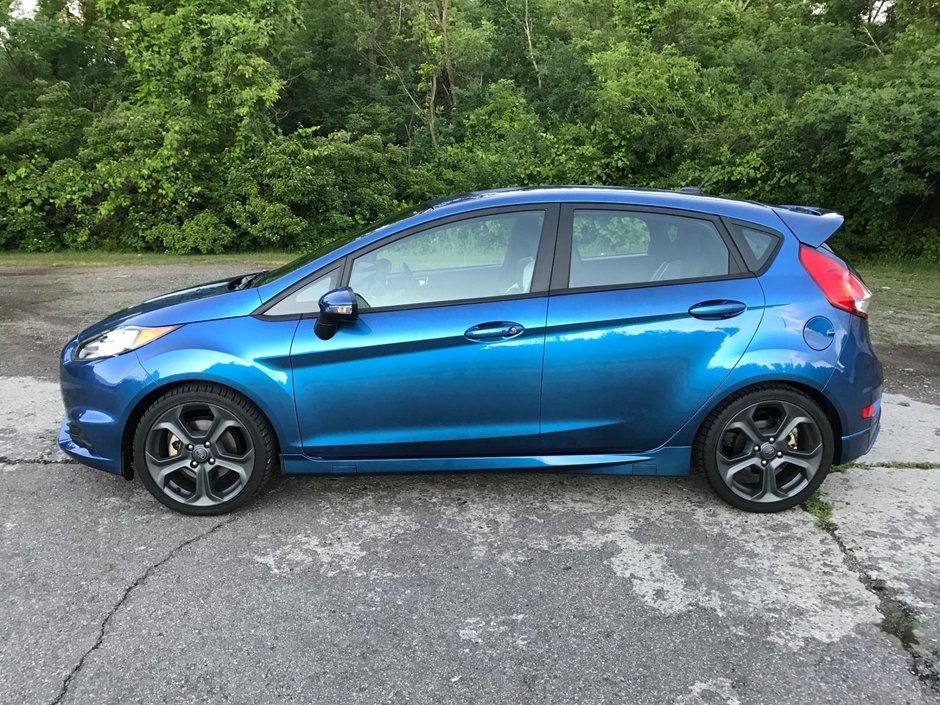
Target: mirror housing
(336,306)
(340,305)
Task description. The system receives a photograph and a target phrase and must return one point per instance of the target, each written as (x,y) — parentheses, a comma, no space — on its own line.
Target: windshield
(338,242)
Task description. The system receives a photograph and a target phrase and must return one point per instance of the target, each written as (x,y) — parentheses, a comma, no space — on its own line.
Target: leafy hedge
(219,125)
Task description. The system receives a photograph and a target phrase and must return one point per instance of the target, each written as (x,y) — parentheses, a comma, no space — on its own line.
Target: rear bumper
(858,444)
(856,384)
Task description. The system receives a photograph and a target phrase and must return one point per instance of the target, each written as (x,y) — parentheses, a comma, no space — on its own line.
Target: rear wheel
(203,449)
(766,449)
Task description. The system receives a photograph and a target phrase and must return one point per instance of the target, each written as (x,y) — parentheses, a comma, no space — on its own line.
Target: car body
(575,329)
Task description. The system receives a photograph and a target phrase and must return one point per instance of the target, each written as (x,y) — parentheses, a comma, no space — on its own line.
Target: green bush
(204,233)
(198,126)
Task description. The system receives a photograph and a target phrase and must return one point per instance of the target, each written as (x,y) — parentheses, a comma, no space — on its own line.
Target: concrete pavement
(472,588)
(460,588)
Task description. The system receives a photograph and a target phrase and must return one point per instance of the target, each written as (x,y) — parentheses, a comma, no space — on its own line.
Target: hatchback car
(570,329)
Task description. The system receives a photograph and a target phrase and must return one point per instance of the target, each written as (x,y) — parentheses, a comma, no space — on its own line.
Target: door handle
(717,310)
(494,330)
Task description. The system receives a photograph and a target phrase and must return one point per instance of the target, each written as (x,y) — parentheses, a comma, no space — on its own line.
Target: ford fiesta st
(570,329)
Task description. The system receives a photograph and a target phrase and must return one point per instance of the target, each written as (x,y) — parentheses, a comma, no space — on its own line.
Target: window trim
(541,276)
(564,243)
(746,254)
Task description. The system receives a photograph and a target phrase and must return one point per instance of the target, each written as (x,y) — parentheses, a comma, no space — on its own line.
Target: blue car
(570,329)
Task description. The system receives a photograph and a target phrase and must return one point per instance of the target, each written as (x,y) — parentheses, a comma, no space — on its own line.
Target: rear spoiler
(812,226)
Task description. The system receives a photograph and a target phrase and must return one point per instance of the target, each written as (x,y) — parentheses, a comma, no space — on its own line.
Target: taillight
(842,288)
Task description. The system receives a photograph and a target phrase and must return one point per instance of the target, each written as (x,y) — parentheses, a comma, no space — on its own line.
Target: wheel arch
(829,409)
(144,403)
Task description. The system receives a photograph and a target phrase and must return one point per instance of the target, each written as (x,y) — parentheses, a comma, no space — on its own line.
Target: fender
(249,355)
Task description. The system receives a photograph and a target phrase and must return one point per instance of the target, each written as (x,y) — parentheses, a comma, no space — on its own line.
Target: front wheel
(766,449)
(202,449)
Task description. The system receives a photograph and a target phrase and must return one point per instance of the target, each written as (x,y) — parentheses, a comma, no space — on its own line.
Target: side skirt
(670,461)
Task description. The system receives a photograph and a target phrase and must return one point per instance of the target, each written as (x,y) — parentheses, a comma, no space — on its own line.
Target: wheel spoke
(730,469)
(768,486)
(204,494)
(246,459)
(793,416)
(243,470)
(160,468)
(222,421)
(745,424)
(172,421)
(808,461)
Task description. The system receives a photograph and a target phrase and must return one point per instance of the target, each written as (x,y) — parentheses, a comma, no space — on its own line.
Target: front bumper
(99,397)
(75,445)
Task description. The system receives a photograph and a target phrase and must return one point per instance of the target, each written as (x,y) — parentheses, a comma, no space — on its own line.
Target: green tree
(204,126)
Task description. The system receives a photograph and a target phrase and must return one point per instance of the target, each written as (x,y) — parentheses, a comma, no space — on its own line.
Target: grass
(890,464)
(95,258)
(905,285)
(910,286)
(821,510)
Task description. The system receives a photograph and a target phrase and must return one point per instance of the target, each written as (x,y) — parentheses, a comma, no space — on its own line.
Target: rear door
(650,310)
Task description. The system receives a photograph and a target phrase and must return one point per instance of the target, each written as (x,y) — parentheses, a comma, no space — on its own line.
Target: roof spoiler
(812,226)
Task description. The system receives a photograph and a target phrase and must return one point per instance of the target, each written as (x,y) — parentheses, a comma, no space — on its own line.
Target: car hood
(204,302)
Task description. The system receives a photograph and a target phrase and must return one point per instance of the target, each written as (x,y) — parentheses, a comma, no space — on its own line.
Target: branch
(527,28)
(873,42)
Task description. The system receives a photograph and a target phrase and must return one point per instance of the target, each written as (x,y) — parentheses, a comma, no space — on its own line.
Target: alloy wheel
(200,454)
(770,451)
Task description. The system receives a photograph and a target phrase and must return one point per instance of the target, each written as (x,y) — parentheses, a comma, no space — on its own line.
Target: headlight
(120,340)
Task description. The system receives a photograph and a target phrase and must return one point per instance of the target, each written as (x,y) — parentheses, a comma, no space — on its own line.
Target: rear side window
(757,246)
(616,247)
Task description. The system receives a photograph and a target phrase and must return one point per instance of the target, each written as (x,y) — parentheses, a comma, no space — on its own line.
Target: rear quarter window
(757,245)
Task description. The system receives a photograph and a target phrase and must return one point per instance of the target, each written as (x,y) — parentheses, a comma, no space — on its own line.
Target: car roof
(688,199)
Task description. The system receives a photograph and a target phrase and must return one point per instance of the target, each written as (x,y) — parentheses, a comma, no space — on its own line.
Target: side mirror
(340,305)
(336,306)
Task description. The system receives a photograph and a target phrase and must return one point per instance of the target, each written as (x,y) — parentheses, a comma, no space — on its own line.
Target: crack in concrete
(102,629)
(898,617)
(4,460)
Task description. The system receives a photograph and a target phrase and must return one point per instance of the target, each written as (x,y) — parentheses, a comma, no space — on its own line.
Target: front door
(445,358)
(644,324)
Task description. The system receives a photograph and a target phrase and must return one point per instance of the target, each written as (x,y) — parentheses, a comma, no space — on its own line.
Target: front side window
(306,299)
(615,247)
(475,258)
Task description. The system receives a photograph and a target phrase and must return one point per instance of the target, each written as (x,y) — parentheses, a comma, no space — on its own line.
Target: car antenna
(698,190)
(707,180)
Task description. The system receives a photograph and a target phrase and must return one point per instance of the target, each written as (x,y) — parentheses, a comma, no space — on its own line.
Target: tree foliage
(214,125)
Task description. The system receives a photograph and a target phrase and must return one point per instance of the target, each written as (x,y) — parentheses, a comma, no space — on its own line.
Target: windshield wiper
(245,281)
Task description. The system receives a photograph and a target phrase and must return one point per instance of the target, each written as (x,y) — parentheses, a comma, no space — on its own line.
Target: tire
(203,450)
(740,450)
